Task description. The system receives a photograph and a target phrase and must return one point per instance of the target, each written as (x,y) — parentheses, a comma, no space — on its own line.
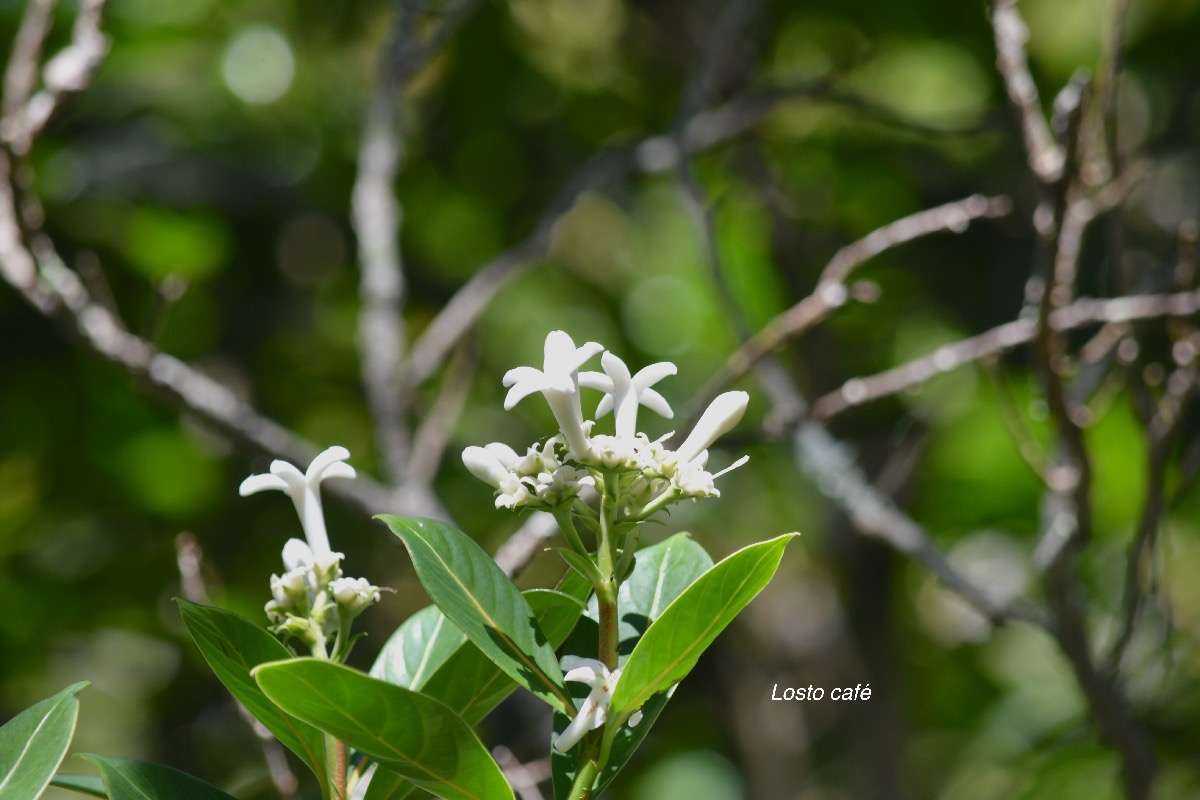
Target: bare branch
(522,546)
(1079,314)
(1045,157)
(433,434)
(68,72)
(831,292)
(839,477)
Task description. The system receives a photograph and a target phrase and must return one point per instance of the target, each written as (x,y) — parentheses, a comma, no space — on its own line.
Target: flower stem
(606,591)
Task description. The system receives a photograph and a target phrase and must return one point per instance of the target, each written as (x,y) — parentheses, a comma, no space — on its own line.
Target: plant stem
(566,524)
(587,772)
(606,591)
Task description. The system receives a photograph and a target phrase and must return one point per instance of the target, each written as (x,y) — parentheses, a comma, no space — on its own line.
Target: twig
(1079,314)
(831,292)
(68,72)
(838,476)
(21,77)
(376,216)
(520,548)
(653,155)
(1045,157)
(433,434)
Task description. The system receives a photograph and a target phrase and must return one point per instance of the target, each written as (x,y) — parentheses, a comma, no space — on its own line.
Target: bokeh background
(205,179)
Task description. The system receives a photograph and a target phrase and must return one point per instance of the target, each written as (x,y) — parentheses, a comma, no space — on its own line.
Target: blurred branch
(376,217)
(433,434)
(523,778)
(1045,157)
(653,155)
(68,72)
(1079,314)
(831,291)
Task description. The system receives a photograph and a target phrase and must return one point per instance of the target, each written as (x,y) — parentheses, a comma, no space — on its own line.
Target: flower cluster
(566,465)
(312,601)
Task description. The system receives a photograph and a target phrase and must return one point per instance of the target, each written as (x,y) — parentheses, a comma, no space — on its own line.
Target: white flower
(494,466)
(353,594)
(305,490)
(558,381)
(624,393)
(722,414)
(594,709)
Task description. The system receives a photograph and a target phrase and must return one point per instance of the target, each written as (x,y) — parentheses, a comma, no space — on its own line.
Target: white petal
(296,554)
(485,466)
(325,459)
(258,483)
(719,418)
(573,732)
(596,380)
(559,348)
(587,675)
(656,403)
(338,469)
(604,406)
(652,374)
(519,374)
(615,368)
(571,662)
(503,453)
(289,474)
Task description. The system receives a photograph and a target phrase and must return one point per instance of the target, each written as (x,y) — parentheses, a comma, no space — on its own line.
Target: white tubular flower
(594,710)
(493,465)
(305,490)
(558,381)
(624,393)
(297,554)
(718,419)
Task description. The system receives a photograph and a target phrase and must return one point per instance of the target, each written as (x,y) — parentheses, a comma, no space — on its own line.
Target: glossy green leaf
(662,572)
(407,732)
(483,603)
(673,643)
(81,783)
(233,646)
(465,680)
(418,648)
(33,743)
(129,779)
(84,784)
(387,785)
(471,684)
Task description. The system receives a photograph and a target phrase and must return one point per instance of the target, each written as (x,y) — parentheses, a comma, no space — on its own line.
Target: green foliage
(84,784)
(408,732)
(130,779)
(233,647)
(33,743)
(672,644)
(480,599)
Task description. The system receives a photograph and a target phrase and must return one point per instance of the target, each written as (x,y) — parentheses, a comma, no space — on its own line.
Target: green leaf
(673,643)
(471,684)
(405,731)
(583,566)
(418,648)
(129,779)
(33,743)
(84,784)
(478,597)
(387,785)
(233,646)
(662,572)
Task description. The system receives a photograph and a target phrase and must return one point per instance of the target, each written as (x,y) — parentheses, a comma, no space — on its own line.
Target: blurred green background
(208,173)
